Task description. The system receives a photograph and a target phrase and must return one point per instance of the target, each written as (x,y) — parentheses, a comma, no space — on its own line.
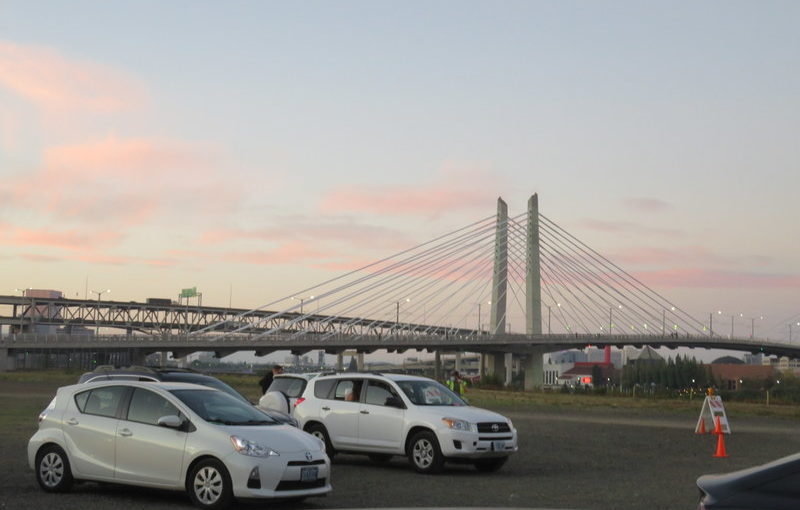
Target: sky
(253,149)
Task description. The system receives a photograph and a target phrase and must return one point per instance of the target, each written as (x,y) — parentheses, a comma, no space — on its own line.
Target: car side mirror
(171,421)
(394,402)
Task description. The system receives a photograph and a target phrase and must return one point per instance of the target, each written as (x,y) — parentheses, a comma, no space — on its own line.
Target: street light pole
(99,294)
(397,317)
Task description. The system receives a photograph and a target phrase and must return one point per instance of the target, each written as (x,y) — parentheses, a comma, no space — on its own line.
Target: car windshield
(429,393)
(221,408)
(204,380)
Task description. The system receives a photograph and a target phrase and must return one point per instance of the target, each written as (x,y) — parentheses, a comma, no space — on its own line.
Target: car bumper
(474,445)
(279,477)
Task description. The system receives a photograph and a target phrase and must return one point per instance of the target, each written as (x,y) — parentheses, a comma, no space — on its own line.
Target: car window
(147,407)
(323,387)
(80,400)
(429,393)
(101,401)
(348,390)
(292,387)
(221,408)
(378,392)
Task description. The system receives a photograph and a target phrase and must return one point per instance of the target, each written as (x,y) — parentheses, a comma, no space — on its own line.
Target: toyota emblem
(308,456)
(495,427)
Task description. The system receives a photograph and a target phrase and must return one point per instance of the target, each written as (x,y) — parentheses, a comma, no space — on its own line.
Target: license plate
(309,474)
(498,446)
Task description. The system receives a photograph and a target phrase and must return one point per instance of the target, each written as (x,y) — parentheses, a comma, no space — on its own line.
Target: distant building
(727,360)
(732,376)
(647,356)
(754,359)
(582,374)
(43,311)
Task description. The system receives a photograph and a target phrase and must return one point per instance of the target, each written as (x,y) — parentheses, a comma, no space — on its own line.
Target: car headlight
(456,424)
(252,449)
(510,424)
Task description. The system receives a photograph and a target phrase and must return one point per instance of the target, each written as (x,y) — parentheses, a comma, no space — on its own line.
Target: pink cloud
(65,240)
(649,205)
(128,180)
(289,253)
(627,226)
(697,255)
(700,278)
(328,230)
(121,260)
(56,83)
(451,190)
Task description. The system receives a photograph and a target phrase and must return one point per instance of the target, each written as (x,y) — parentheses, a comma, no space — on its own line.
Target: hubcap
(208,485)
(51,469)
(319,435)
(423,453)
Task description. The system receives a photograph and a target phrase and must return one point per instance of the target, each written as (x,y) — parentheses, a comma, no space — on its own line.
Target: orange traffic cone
(702,428)
(720,446)
(720,440)
(717,427)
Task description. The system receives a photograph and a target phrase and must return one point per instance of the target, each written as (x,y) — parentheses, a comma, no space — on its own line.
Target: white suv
(391,414)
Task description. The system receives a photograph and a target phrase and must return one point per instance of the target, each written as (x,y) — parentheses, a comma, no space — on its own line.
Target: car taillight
(299,401)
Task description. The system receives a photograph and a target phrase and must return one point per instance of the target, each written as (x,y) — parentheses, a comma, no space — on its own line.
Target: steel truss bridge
(223,345)
(559,291)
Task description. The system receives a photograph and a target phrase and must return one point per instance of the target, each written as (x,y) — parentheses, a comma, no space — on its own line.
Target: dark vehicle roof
(752,485)
(173,374)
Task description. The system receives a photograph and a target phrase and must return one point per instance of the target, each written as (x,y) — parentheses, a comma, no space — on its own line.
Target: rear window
(292,387)
(101,401)
(322,388)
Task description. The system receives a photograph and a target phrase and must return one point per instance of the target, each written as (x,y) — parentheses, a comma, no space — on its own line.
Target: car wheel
(209,485)
(52,469)
(317,430)
(380,457)
(489,465)
(424,452)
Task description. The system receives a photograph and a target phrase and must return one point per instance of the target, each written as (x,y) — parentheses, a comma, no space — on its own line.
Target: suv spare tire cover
(274,400)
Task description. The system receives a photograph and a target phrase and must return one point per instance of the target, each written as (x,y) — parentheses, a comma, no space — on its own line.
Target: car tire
(209,485)
(424,452)
(490,465)
(380,458)
(318,430)
(53,471)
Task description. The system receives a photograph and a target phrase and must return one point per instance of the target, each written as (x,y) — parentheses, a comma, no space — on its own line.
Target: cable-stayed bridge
(501,286)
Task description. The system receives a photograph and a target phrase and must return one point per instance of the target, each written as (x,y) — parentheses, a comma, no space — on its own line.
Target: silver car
(174,436)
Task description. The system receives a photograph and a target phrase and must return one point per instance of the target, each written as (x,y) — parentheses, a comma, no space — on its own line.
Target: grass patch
(518,400)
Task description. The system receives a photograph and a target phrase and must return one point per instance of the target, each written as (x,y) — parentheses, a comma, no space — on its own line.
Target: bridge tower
(495,364)
(533,365)
(500,364)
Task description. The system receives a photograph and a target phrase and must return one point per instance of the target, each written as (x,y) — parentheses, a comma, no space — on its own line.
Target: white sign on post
(712,408)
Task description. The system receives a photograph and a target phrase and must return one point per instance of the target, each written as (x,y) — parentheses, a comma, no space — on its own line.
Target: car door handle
(125,433)
(364,411)
(326,408)
(72,421)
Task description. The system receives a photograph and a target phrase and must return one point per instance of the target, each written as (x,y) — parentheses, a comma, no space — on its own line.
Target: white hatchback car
(383,415)
(174,436)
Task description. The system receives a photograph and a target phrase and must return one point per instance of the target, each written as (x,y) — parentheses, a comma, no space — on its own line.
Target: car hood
(281,438)
(723,485)
(468,413)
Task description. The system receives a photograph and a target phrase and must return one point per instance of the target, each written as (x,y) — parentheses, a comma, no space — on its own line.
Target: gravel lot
(593,459)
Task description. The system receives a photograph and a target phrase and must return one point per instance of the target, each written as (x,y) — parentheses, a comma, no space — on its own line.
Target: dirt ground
(589,459)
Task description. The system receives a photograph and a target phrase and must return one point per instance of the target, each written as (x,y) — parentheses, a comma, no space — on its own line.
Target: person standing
(456,384)
(266,381)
